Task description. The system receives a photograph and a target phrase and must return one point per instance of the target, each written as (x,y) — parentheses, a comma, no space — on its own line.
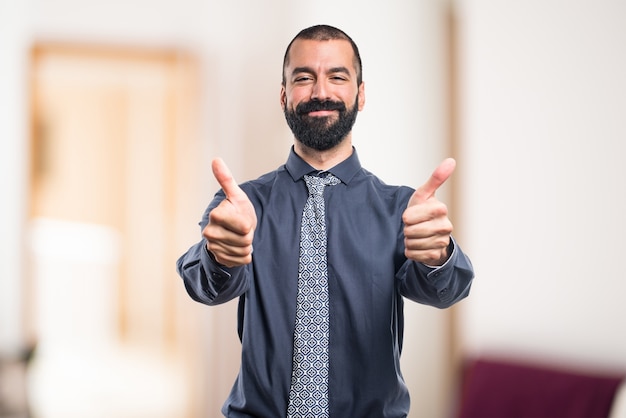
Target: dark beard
(319,133)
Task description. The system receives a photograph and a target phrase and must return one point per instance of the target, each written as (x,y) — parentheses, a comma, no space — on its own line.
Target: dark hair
(326,33)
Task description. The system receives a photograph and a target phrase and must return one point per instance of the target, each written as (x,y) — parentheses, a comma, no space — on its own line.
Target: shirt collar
(345,170)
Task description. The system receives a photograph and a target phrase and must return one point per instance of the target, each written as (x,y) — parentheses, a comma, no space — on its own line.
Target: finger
(229,256)
(227,182)
(235,233)
(229,250)
(227,217)
(437,178)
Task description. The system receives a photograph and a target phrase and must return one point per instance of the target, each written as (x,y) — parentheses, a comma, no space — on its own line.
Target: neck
(324,160)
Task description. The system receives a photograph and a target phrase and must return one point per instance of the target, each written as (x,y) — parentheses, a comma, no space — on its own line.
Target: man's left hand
(427,228)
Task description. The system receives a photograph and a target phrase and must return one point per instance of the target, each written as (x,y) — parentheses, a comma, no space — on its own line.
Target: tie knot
(316,184)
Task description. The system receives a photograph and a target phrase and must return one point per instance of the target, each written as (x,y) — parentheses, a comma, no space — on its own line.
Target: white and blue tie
(308,396)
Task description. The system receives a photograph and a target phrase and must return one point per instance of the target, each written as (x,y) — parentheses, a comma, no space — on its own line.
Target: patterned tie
(308,396)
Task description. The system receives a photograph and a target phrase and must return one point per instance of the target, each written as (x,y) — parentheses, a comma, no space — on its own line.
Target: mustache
(317,105)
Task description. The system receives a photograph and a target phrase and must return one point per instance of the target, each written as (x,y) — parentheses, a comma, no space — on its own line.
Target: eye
(339,78)
(302,79)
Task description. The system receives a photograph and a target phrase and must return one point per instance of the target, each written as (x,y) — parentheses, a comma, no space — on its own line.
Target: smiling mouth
(320,113)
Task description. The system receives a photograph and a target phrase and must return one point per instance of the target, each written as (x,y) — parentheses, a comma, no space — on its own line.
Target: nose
(320,90)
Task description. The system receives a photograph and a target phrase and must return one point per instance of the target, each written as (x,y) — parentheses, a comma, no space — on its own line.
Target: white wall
(543,125)
(13,130)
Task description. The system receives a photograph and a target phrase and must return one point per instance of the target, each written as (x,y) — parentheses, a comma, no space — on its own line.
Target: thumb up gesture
(427,228)
(232,223)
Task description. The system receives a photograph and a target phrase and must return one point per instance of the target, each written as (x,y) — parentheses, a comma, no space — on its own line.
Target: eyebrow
(310,70)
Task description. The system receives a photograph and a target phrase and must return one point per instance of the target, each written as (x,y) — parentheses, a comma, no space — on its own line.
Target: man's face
(320,97)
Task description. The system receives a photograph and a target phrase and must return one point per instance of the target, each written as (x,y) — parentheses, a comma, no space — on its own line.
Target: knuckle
(214,248)
(443,233)
(247,241)
(215,216)
(433,256)
(207,233)
(211,233)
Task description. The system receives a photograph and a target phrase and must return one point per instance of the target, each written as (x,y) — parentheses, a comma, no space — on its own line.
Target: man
(371,245)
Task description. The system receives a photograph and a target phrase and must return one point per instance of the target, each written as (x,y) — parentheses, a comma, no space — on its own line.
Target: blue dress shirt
(368,277)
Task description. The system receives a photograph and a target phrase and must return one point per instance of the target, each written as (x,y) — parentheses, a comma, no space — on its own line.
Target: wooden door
(110,129)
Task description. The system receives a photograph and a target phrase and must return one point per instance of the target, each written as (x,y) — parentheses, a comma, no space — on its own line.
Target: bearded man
(321,255)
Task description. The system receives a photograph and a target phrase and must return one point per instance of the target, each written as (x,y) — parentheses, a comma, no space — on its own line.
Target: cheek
(295,97)
(290,103)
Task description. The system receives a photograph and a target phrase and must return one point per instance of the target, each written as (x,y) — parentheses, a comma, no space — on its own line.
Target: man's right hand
(232,223)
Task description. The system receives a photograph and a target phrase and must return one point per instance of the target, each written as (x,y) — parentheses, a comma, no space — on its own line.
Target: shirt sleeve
(441,286)
(207,281)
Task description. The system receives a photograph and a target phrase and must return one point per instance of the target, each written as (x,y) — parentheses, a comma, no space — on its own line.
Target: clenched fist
(427,228)
(232,223)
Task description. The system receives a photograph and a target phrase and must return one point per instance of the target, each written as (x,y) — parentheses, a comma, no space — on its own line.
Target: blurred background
(111,112)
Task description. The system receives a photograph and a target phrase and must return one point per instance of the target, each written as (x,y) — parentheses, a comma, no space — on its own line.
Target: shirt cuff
(216,272)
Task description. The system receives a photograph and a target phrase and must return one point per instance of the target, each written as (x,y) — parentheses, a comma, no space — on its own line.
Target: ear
(361,96)
(283,97)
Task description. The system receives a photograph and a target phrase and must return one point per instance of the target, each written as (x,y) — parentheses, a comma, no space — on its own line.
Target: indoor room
(110,115)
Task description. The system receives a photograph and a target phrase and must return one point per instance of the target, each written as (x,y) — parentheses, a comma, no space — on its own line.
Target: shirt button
(443,291)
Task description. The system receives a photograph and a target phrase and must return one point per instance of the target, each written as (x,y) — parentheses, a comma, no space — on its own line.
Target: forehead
(320,55)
